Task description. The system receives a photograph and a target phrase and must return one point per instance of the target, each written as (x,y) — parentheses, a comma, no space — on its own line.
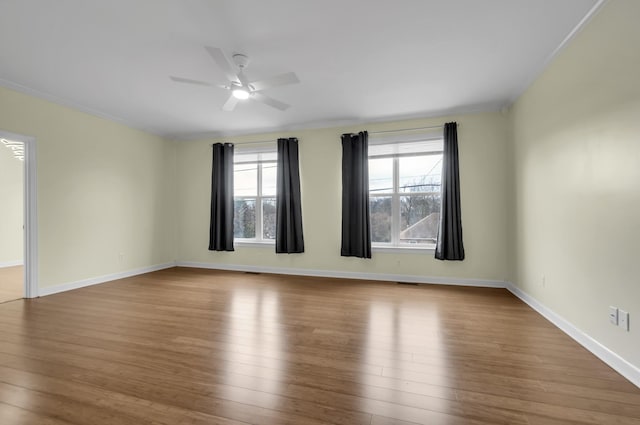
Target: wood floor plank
(548,409)
(16,416)
(142,401)
(190,346)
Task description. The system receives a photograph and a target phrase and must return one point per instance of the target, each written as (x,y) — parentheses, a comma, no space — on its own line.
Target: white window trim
(251,243)
(403,249)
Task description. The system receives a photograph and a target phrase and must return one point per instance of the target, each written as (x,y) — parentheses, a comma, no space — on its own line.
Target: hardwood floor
(11,283)
(190,346)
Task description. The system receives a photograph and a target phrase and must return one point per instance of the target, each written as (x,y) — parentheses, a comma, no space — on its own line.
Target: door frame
(30,200)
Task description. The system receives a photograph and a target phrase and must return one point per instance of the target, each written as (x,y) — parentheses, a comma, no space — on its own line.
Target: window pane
(245,180)
(244,218)
(380,175)
(269,179)
(380,213)
(419,218)
(420,173)
(269,218)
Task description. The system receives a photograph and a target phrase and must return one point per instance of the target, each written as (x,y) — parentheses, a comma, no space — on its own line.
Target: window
(254,195)
(404,192)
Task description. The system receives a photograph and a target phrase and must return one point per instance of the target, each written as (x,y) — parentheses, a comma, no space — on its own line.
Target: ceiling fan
(239,85)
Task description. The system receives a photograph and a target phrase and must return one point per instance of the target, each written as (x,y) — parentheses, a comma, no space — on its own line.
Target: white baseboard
(620,365)
(11,263)
(101,279)
(347,275)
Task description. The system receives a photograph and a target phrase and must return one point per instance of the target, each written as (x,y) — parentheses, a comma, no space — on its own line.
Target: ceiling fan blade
(278,80)
(270,101)
(222,61)
(243,79)
(190,81)
(230,104)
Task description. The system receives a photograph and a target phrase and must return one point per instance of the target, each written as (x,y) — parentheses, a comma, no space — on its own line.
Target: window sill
(254,244)
(402,249)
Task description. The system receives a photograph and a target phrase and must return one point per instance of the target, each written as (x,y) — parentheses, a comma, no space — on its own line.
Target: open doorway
(17,217)
(11,220)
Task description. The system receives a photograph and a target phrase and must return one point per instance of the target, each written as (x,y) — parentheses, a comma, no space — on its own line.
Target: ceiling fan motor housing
(241,60)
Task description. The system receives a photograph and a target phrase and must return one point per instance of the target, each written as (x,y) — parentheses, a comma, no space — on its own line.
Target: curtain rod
(252,143)
(406,129)
(371,132)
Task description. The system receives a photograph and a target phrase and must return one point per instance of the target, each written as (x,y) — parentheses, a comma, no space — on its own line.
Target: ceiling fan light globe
(240,93)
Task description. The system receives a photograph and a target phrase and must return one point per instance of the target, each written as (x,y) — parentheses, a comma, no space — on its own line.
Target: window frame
(258,198)
(395,245)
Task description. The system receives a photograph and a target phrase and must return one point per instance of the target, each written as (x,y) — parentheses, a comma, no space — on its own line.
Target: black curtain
(449,245)
(356,226)
(221,227)
(289,237)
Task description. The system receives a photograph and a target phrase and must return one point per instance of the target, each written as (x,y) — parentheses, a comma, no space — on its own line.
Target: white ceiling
(357,60)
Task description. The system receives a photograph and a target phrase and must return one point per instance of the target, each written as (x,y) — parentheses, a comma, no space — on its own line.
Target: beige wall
(11,207)
(576,164)
(103,189)
(483,164)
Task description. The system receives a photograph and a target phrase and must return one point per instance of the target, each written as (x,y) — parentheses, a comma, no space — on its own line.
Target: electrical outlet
(623,320)
(613,315)
(544,281)
(121,257)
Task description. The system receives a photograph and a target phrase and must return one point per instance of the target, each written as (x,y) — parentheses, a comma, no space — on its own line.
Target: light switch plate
(623,319)
(613,315)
